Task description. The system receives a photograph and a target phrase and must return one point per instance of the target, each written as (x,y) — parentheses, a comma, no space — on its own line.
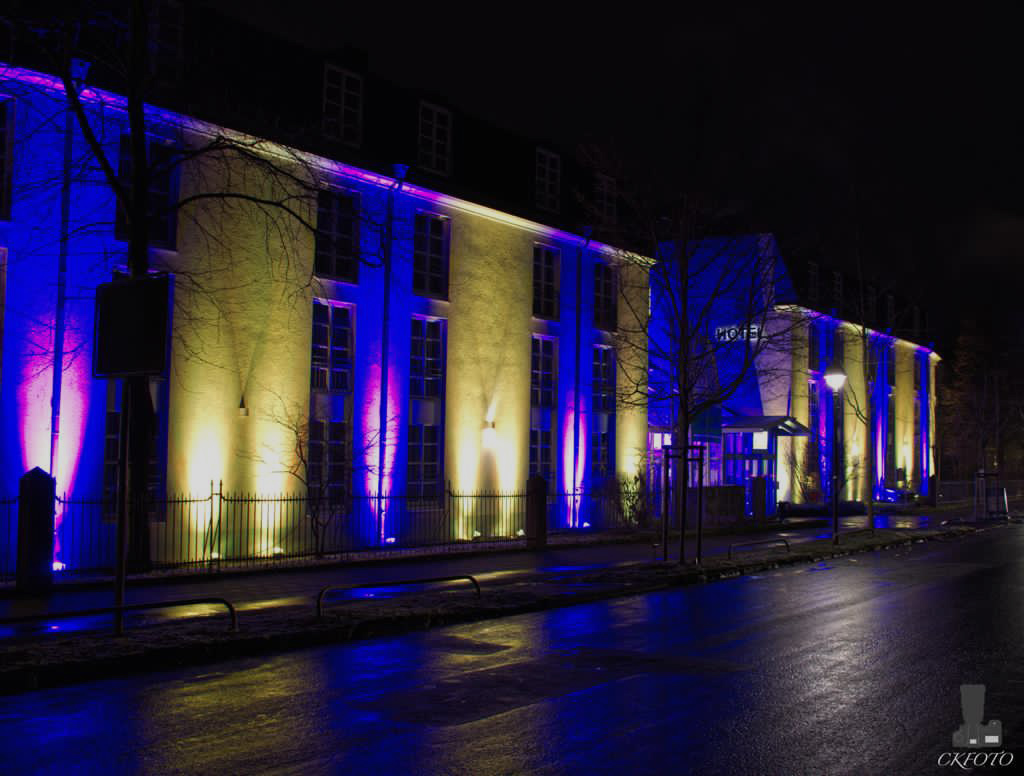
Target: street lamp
(835,378)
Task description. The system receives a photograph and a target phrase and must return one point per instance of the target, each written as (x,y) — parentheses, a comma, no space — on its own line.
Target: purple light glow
(33,408)
(574,484)
(371,453)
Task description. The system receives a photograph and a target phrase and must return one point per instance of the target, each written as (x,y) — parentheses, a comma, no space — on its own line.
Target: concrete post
(36,495)
(536,513)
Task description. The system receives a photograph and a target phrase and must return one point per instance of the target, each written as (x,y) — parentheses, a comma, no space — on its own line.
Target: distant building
(778,422)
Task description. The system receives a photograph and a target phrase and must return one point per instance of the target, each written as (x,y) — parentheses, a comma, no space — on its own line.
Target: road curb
(33,665)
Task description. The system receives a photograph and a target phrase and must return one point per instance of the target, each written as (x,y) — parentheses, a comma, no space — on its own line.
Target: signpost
(132,327)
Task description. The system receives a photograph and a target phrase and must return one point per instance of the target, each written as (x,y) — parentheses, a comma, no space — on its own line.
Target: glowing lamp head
(490,436)
(835,378)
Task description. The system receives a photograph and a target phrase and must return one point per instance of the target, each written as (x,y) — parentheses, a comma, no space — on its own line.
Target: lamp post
(835,378)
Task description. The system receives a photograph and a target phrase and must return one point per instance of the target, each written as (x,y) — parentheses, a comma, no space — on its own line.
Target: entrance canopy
(782,425)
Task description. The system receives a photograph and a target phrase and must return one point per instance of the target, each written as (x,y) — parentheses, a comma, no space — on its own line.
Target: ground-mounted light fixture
(835,378)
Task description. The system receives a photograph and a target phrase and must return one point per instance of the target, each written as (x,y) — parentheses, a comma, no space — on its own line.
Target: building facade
(767,336)
(391,340)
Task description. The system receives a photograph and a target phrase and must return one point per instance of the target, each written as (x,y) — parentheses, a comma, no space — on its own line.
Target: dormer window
(343,105)
(548,180)
(166,35)
(605,199)
(435,139)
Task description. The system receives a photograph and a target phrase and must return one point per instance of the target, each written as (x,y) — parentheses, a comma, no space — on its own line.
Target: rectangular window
(603,375)
(343,105)
(814,439)
(838,351)
(606,312)
(426,388)
(435,139)
(890,366)
(430,256)
(331,362)
(424,462)
(166,36)
(600,453)
(542,460)
(6,135)
(545,282)
(426,370)
(548,180)
(162,197)
(337,235)
(328,470)
(813,347)
(606,199)
(542,373)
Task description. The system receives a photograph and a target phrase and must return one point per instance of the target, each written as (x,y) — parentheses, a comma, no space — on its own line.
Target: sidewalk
(295,585)
(266,590)
(284,622)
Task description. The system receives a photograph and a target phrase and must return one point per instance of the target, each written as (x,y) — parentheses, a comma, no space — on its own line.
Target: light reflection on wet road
(849,666)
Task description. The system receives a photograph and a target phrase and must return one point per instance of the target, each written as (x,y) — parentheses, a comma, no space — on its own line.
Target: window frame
(426,257)
(540,286)
(602,388)
(328,366)
(429,161)
(547,180)
(337,110)
(606,316)
(337,194)
(336,491)
(606,196)
(543,383)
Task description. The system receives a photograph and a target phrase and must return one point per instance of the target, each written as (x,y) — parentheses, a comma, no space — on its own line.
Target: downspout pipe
(79,69)
(574,518)
(400,171)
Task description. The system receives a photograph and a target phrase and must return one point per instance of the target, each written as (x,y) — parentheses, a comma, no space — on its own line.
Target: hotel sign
(737,333)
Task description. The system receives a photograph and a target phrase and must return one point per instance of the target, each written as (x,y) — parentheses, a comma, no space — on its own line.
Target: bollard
(35,531)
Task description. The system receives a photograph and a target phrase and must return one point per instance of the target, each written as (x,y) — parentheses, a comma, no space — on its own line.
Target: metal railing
(220,529)
(400,583)
(734,545)
(75,614)
(967,490)
(9,536)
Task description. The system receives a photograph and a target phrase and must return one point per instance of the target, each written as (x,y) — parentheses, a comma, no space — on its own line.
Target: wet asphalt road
(851,666)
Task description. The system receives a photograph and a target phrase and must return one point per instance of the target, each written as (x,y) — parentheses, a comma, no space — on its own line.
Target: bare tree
(713,322)
(225,179)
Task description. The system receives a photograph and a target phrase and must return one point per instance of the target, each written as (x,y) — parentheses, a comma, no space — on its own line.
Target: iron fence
(968,490)
(9,533)
(243,529)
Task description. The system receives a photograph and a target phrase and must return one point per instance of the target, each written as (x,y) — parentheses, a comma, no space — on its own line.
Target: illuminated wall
(785,373)
(238,389)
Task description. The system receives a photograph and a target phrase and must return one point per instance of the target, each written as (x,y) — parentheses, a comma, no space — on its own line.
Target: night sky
(905,130)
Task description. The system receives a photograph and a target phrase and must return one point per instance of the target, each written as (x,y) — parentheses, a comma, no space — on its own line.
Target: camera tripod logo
(973,734)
